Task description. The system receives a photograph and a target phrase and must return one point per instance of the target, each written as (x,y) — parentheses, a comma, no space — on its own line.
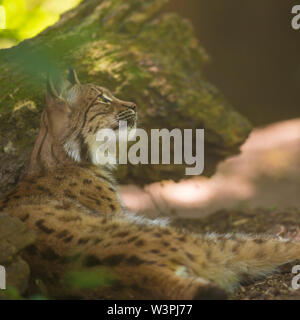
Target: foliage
(27,18)
(11,293)
(82,279)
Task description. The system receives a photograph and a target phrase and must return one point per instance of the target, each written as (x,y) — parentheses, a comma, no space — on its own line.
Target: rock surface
(142,55)
(14,237)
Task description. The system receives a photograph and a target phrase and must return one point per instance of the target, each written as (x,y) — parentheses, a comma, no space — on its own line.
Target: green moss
(152,59)
(82,279)
(10,293)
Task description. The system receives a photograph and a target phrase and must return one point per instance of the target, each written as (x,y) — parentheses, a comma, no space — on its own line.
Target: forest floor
(285,224)
(254,192)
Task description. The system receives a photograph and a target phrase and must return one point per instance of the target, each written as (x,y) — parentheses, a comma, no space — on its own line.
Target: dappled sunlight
(27,18)
(195,192)
(277,161)
(236,188)
(188,192)
(272,150)
(135,198)
(266,173)
(273,136)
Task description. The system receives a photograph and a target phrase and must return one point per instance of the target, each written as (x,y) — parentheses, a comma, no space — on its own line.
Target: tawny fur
(74,207)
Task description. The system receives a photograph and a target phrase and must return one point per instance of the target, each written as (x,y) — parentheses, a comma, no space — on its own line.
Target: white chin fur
(162,222)
(73,150)
(95,147)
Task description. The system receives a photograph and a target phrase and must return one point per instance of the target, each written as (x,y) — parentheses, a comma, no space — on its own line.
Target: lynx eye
(103,98)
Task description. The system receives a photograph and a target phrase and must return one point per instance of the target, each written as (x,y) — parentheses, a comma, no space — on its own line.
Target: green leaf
(83,279)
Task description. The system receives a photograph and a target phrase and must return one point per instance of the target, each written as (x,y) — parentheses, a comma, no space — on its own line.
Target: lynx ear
(60,88)
(51,88)
(73,78)
(56,86)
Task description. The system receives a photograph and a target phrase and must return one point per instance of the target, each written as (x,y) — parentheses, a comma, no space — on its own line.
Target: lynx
(73,204)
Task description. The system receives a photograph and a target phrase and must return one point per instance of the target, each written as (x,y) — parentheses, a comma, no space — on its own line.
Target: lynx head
(76,112)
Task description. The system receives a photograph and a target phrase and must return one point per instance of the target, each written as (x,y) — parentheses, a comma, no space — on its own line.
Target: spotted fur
(74,207)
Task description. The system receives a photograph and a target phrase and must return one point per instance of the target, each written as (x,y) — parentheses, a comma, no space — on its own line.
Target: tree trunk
(138,52)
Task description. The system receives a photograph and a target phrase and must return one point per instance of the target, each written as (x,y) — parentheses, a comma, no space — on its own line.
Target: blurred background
(26,18)
(254,53)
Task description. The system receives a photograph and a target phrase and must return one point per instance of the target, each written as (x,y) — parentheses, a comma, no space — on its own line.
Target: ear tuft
(50,87)
(73,78)
(59,88)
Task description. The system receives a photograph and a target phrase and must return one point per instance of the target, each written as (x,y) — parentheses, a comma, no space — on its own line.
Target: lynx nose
(132,107)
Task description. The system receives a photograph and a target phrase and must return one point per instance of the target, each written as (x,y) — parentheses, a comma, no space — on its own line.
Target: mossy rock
(138,52)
